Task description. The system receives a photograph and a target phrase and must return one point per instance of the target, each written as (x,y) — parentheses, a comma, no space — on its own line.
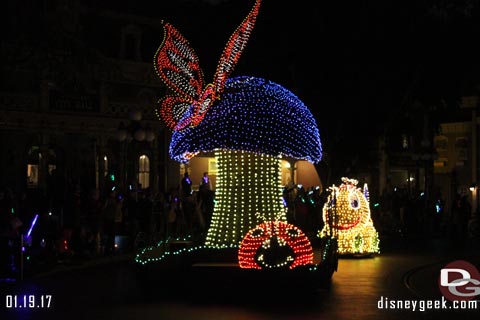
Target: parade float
(346,214)
(250,124)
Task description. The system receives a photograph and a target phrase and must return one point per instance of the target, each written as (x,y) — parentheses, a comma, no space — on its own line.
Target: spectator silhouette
(9,230)
(144,213)
(108,222)
(474,230)
(174,214)
(205,201)
(459,217)
(205,183)
(465,215)
(93,212)
(186,185)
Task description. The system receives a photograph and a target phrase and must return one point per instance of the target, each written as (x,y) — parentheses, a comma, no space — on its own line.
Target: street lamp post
(135,130)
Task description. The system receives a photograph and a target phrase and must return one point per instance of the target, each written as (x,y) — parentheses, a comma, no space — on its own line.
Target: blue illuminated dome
(255,115)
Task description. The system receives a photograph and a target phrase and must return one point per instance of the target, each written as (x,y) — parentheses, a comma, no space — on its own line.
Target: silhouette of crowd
(401,213)
(189,211)
(76,223)
(85,224)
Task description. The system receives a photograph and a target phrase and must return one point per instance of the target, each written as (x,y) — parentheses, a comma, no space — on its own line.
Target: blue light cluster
(253,115)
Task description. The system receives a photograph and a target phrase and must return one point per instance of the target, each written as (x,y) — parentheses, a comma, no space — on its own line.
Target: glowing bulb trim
(253,115)
(177,64)
(353,226)
(253,241)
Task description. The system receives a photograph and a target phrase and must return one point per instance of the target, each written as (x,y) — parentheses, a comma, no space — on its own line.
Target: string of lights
(250,125)
(177,64)
(275,244)
(247,183)
(253,115)
(353,225)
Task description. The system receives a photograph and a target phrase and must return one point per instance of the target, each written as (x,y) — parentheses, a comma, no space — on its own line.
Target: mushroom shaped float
(250,124)
(250,129)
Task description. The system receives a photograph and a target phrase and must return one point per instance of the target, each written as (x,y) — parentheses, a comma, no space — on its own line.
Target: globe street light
(134,130)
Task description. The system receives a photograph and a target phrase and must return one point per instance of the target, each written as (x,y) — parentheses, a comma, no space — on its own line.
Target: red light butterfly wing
(172,109)
(234,48)
(177,64)
(229,58)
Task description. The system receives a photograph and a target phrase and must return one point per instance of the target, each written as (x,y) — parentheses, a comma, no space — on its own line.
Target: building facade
(77,99)
(427,160)
(456,167)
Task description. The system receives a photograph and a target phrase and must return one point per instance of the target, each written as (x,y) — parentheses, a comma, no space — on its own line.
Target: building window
(32,175)
(103,165)
(286,173)
(212,166)
(130,45)
(441,143)
(144,171)
(404,141)
(51,168)
(33,166)
(461,148)
(441,147)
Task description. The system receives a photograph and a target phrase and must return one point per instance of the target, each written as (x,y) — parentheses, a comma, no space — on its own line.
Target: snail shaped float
(352,224)
(249,123)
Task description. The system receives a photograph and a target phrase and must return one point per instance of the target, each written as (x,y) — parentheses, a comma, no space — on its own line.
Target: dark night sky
(353,64)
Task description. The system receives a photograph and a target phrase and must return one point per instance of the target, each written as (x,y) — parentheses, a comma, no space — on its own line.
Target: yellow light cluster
(347,217)
(247,183)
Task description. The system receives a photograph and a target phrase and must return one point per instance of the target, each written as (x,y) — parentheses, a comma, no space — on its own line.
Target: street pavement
(108,288)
